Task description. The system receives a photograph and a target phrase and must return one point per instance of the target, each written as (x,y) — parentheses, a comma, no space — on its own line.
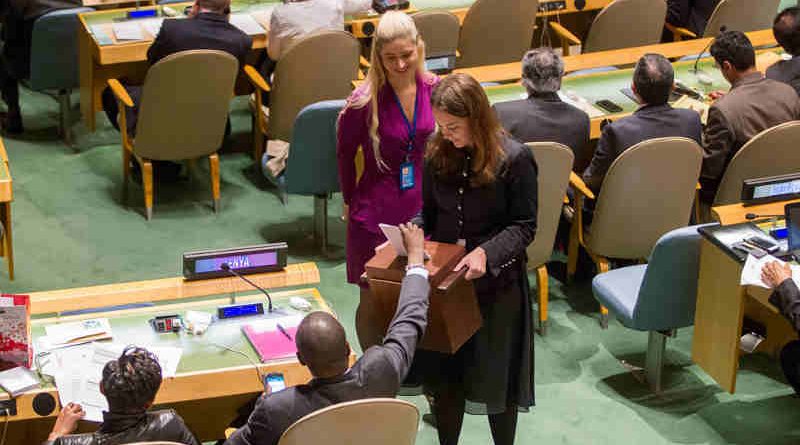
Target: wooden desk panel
(735,213)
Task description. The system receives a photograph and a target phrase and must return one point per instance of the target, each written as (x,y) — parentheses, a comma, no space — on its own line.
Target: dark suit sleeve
(160,47)
(717,146)
(258,430)
(407,326)
(786,297)
(678,12)
(505,247)
(186,436)
(603,157)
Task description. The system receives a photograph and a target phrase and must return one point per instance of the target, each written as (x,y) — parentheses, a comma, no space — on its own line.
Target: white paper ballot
(152,26)
(247,24)
(751,272)
(395,237)
(128,31)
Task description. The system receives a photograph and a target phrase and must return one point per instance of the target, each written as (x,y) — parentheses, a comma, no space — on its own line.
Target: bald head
(322,345)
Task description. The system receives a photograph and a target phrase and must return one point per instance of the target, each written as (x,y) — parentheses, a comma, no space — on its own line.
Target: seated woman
(130,384)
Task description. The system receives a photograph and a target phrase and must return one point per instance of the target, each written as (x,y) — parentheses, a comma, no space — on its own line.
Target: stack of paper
(18,380)
(693,104)
(247,24)
(74,333)
(751,272)
(128,31)
(152,26)
(263,16)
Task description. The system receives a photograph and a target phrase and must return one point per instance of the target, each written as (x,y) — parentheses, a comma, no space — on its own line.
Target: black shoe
(11,123)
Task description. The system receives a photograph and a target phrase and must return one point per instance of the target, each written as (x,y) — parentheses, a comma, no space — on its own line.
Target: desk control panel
(550,6)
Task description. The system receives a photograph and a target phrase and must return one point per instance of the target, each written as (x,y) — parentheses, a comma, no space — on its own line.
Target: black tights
(790,362)
(449,411)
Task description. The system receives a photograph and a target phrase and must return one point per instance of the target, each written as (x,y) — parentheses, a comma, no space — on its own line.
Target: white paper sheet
(263,16)
(580,102)
(751,272)
(152,26)
(66,334)
(247,24)
(128,31)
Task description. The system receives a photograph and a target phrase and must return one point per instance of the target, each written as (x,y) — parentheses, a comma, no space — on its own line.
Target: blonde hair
(392,26)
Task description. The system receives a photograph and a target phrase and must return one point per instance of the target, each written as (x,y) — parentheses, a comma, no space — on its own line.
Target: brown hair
(218,6)
(462,96)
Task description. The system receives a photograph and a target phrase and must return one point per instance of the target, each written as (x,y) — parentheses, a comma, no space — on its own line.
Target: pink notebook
(269,342)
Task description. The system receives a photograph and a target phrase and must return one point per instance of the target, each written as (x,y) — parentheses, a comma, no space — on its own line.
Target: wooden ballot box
(453,316)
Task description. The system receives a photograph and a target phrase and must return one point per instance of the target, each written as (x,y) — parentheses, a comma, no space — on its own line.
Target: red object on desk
(271,343)
(15,331)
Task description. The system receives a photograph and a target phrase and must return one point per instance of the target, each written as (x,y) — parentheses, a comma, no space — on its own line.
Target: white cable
(235,351)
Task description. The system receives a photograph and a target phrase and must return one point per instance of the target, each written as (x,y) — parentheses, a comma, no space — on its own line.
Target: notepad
(18,380)
(128,31)
(247,24)
(77,332)
(268,341)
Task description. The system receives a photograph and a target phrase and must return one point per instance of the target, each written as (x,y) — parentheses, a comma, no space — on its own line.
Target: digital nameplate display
(773,188)
(243,260)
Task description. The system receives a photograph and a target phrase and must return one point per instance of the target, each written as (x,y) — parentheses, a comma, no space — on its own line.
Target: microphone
(751,216)
(227,268)
(694,69)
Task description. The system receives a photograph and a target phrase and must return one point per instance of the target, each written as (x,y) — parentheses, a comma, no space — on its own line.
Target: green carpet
(71,230)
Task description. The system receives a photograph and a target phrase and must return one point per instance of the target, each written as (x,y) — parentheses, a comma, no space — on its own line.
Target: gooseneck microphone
(227,268)
(695,70)
(751,216)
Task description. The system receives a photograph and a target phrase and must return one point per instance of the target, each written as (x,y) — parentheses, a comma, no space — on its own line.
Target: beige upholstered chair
(361,422)
(739,15)
(772,152)
(621,24)
(182,115)
(496,31)
(647,192)
(156,443)
(320,66)
(439,30)
(555,164)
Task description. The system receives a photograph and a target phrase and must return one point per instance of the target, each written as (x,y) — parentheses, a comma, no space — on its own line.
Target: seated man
(206,28)
(543,116)
(130,384)
(753,105)
(323,348)
(786,29)
(690,14)
(786,297)
(652,83)
(15,55)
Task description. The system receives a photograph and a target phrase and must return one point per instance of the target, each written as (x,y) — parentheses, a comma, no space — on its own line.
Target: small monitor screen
(237,262)
(793,224)
(777,189)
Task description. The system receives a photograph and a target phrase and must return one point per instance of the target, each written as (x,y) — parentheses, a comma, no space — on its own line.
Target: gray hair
(542,69)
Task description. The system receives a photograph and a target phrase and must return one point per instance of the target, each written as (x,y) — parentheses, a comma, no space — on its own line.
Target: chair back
(439,30)
(772,152)
(625,24)
(54,50)
(741,15)
(647,192)
(360,422)
(320,66)
(554,162)
(668,292)
(156,443)
(311,167)
(184,106)
(496,31)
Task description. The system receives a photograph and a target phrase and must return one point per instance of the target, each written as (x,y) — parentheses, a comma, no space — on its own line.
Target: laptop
(793,225)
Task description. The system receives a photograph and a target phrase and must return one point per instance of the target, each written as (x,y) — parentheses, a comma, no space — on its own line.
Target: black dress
(495,367)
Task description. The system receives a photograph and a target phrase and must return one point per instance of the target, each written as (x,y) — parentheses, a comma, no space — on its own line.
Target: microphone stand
(227,268)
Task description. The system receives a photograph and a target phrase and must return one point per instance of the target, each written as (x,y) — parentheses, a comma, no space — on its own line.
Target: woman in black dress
(479,189)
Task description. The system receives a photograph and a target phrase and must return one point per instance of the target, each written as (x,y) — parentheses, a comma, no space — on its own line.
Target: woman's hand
(773,273)
(67,421)
(475,262)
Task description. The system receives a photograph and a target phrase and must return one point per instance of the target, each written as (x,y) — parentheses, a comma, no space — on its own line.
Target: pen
(283,331)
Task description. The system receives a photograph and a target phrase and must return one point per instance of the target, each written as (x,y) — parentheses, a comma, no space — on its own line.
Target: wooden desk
(509,72)
(209,378)
(721,306)
(734,213)
(6,196)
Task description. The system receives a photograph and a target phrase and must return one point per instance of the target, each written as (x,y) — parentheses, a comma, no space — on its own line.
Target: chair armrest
(120,93)
(255,78)
(579,186)
(567,38)
(679,33)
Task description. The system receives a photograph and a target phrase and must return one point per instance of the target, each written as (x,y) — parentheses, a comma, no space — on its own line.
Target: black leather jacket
(118,429)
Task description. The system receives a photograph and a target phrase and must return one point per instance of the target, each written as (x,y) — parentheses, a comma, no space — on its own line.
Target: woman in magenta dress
(390,118)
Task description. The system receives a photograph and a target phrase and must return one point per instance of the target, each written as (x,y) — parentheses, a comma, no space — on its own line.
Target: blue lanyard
(410,126)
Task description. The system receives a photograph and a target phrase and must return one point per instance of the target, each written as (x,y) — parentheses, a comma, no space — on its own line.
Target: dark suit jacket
(648,122)
(206,31)
(753,105)
(690,14)
(786,71)
(546,118)
(377,373)
(118,429)
(786,297)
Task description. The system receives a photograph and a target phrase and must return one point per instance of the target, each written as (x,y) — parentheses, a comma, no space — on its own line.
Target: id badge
(406,175)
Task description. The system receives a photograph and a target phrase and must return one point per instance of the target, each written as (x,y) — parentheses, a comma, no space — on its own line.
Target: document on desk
(751,272)
(247,24)
(580,102)
(128,31)
(73,333)
(152,26)
(263,16)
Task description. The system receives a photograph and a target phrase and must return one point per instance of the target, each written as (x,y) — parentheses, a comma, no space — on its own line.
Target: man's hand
(414,239)
(67,421)
(773,274)
(714,95)
(475,262)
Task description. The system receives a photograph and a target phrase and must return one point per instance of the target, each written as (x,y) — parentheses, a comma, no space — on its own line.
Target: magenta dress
(377,197)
